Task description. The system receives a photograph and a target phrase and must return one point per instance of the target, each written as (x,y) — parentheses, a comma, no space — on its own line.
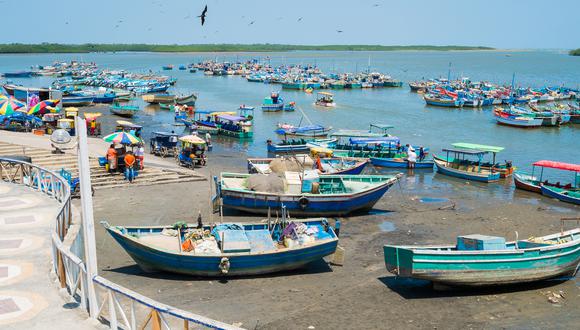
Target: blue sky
(495,23)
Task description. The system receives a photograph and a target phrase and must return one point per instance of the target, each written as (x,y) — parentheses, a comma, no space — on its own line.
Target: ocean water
(414,122)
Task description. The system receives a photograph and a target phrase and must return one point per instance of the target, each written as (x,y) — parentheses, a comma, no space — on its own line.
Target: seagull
(202,16)
(299,19)
(376,5)
(339,31)
(251,23)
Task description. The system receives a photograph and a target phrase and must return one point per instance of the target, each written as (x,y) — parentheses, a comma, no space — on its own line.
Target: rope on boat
(305,116)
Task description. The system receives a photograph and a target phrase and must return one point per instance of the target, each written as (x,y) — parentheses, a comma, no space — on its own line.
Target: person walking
(129,163)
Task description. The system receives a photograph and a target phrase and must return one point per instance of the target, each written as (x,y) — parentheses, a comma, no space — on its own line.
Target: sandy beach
(361,294)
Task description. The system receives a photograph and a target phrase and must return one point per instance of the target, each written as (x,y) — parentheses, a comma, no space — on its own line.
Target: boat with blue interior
(227,249)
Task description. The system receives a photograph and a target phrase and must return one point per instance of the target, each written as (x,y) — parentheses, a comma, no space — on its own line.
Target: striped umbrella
(19,104)
(122,138)
(38,107)
(52,103)
(8,107)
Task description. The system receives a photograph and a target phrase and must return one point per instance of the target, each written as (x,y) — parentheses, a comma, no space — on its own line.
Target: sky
(507,24)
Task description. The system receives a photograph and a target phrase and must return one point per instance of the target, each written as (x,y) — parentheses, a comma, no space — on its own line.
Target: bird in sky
(339,31)
(202,16)
(251,23)
(376,5)
(299,19)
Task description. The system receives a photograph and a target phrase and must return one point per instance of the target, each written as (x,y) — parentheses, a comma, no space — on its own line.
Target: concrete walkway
(29,295)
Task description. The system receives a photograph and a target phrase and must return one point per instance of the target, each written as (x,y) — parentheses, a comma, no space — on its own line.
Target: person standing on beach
(129,163)
(411,157)
(93,126)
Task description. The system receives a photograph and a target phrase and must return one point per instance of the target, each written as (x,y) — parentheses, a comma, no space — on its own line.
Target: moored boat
(300,162)
(400,163)
(533,181)
(325,99)
(188,100)
(123,110)
(478,260)
(227,249)
(69,101)
(158,98)
(330,195)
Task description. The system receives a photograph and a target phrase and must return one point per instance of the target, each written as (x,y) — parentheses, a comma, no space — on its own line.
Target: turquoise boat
(123,110)
(478,260)
(227,249)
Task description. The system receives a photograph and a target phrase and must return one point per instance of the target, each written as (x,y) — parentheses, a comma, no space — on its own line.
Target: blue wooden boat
(328,166)
(476,170)
(227,249)
(330,195)
(562,194)
(298,145)
(478,260)
(69,101)
(400,163)
(19,74)
(123,110)
(105,98)
(443,101)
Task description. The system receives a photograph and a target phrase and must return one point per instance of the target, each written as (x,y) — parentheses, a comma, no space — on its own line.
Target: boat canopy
(382,126)
(128,124)
(164,134)
(391,140)
(478,147)
(233,118)
(219,113)
(193,139)
(558,165)
(467,152)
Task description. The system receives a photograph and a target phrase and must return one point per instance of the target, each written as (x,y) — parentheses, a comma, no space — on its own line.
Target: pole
(88,222)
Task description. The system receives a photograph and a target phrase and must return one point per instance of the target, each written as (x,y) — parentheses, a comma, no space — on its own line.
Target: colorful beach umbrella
(122,138)
(18,103)
(52,103)
(92,115)
(8,107)
(37,107)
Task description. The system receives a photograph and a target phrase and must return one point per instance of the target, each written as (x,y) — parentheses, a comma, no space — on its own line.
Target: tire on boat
(303,202)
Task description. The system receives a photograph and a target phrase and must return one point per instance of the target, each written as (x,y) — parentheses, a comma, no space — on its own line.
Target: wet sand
(360,294)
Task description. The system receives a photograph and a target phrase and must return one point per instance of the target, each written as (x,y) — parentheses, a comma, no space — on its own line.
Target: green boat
(123,110)
(479,260)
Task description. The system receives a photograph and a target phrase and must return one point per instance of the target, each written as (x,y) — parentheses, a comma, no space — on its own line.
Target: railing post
(88,223)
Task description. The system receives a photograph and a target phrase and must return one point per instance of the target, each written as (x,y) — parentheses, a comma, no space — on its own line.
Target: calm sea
(414,122)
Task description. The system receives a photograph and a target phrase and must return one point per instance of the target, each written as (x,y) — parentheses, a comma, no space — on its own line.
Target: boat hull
(523,181)
(481,177)
(400,163)
(317,205)
(558,194)
(484,267)
(151,259)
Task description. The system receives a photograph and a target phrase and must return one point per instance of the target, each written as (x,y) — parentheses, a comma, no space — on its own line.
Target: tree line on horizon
(90,48)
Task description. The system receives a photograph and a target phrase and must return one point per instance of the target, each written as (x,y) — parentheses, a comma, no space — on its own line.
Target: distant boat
(188,100)
(123,110)
(313,131)
(325,99)
(478,260)
(18,74)
(167,67)
(228,249)
(443,101)
(298,145)
(400,163)
(516,119)
(158,98)
(329,195)
(534,181)
(69,101)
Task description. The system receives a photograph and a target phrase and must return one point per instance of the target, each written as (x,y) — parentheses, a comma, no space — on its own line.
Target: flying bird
(376,5)
(339,31)
(202,16)
(251,23)
(299,19)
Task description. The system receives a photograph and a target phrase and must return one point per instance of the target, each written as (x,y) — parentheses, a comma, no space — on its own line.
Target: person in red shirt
(112,158)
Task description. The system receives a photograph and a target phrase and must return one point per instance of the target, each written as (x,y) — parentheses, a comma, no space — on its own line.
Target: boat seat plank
(260,240)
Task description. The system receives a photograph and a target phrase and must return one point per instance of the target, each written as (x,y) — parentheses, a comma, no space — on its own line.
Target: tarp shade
(558,165)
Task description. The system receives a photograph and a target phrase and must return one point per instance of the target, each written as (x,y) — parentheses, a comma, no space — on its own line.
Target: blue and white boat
(298,145)
(327,166)
(227,249)
(400,163)
(329,195)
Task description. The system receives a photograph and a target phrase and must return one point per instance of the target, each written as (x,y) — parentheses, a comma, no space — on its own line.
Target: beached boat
(303,195)
(325,99)
(478,260)
(327,166)
(158,98)
(123,110)
(533,182)
(505,169)
(227,249)
(568,195)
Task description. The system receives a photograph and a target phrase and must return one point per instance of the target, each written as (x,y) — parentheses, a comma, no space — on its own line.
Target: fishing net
(271,183)
(294,164)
